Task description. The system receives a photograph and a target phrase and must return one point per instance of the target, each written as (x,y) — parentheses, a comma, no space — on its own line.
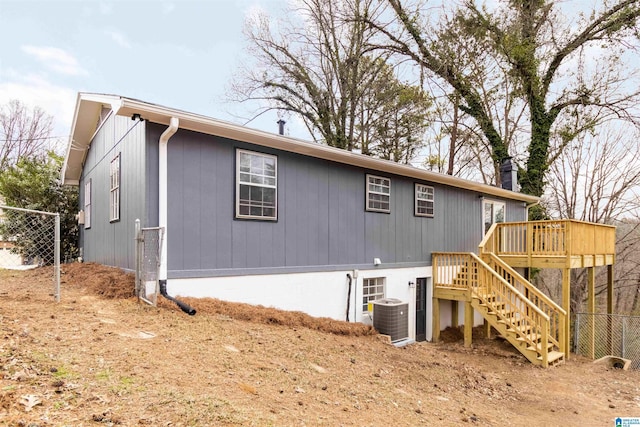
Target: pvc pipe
(162,191)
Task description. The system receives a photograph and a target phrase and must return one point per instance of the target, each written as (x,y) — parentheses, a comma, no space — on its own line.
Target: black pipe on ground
(183,306)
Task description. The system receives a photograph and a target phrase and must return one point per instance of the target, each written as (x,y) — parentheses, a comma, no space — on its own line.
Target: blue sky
(178,53)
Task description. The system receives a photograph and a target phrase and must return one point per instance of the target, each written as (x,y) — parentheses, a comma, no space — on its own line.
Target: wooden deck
(552,244)
(526,317)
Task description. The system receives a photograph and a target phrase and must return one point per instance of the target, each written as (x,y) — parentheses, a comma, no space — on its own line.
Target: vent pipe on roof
(281,124)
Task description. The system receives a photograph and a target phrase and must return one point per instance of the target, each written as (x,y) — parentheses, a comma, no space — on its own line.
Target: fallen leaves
(29,401)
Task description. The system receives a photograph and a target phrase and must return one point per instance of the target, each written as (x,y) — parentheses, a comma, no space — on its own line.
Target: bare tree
(597,179)
(318,63)
(557,62)
(23,132)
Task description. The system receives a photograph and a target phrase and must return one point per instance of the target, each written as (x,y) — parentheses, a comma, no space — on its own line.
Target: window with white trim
(256,185)
(378,194)
(114,189)
(372,289)
(424,200)
(87,204)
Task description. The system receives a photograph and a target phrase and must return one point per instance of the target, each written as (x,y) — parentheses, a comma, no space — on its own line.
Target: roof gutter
(126,107)
(207,125)
(162,191)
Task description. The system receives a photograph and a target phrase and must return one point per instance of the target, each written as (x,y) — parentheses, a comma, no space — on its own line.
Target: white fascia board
(84,125)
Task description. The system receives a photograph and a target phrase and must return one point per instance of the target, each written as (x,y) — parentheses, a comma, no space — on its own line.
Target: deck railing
(561,238)
(451,270)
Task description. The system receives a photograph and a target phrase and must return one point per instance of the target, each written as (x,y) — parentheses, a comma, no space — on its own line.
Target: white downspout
(529,206)
(162,191)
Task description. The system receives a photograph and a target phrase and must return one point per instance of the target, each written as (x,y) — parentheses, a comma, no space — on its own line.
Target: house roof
(89,106)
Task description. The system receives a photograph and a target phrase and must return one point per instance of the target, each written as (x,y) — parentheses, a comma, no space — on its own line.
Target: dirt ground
(99,358)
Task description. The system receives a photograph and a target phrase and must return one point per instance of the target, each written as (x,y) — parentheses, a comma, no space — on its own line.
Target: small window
(87,204)
(256,185)
(372,289)
(424,200)
(378,193)
(114,189)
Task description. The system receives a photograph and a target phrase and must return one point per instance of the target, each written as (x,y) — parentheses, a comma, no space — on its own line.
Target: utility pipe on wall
(349,294)
(162,191)
(162,211)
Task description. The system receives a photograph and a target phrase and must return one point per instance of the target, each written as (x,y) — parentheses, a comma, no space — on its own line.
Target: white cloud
(167,8)
(119,38)
(254,12)
(105,8)
(35,91)
(55,59)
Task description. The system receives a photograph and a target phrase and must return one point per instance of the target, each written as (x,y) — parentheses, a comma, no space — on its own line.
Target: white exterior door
(493,211)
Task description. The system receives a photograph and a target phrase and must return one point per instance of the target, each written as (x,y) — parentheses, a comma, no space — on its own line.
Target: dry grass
(100,358)
(113,283)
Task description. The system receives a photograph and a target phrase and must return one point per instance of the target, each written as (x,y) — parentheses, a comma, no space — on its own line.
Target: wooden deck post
(455,314)
(487,329)
(436,319)
(610,289)
(529,243)
(566,305)
(468,324)
(591,290)
(610,308)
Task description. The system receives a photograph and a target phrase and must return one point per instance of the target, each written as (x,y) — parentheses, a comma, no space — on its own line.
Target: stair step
(493,304)
(529,337)
(526,328)
(553,356)
(509,314)
(538,348)
(509,322)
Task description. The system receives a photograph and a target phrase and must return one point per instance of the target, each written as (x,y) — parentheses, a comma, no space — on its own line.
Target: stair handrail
(510,287)
(554,308)
(543,325)
(487,238)
(530,287)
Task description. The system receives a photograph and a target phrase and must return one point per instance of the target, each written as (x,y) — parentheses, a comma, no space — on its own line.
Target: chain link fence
(148,247)
(599,335)
(30,239)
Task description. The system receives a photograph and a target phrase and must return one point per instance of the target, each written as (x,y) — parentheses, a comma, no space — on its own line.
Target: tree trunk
(532,178)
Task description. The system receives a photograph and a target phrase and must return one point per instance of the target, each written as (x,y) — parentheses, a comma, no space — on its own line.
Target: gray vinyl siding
(112,243)
(516,211)
(322,222)
(153,133)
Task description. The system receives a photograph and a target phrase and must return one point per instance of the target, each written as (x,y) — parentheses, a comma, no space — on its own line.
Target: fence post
(138,252)
(623,335)
(576,334)
(56,257)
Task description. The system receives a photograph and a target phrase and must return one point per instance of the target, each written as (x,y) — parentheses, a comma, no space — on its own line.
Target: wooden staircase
(515,308)
(487,283)
(520,334)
